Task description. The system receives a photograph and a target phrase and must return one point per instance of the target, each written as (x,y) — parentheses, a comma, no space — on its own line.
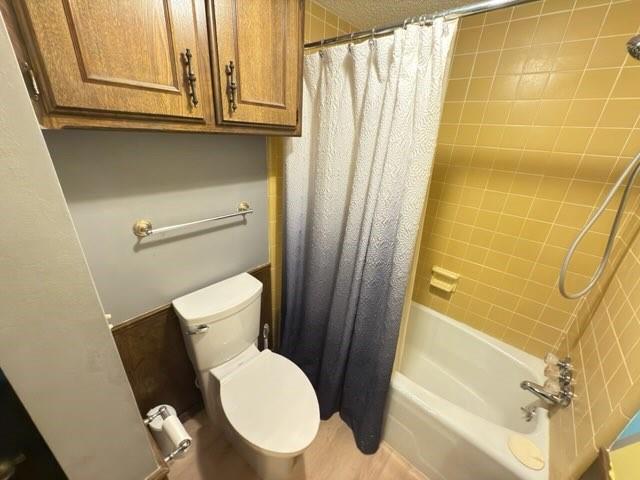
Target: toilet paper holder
(182,446)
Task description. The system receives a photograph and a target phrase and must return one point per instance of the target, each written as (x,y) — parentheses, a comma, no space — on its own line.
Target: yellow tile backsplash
(541,110)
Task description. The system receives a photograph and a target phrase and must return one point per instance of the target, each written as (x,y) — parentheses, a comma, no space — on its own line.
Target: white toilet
(264,403)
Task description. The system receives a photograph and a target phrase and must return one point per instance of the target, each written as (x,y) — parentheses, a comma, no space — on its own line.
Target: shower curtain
(355,185)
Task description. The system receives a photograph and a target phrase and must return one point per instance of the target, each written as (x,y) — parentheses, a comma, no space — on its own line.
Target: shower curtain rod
(449,14)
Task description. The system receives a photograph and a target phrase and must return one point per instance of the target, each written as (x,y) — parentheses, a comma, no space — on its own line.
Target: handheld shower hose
(630,172)
(633,47)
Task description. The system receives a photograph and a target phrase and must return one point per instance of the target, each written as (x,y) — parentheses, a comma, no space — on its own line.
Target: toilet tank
(220,321)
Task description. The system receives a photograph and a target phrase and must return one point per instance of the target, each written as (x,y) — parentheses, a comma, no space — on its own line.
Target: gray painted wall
(111,179)
(55,346)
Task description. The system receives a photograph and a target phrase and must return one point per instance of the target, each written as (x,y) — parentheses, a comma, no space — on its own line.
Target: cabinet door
(118,56)
(258,53)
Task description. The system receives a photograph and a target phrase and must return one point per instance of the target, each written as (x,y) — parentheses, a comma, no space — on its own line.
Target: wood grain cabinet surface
(255,46)
(229,66)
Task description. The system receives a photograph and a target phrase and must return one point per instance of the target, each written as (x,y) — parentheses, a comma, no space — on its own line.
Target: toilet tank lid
(219,300)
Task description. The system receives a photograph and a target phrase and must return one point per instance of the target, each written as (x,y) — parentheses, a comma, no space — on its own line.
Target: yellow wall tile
(520,33)
(491,37)
(467,40)
(331,18)
(622,18)
(504,87)
(531,86)
(608,141)
(633,144)
(552,112)
(461,66)
(550,28)
(497,112)
(478,89)
(584,113)
(585,23)
(316,9)
(551,6)
(573,139)
(607,52)
(597,83)
(541,58)
(472,21)
(549,112)
(627,84)
(485,64)
(620,113)
(457,89)
(573,55)
(499,15)
(562,85)
(322,23)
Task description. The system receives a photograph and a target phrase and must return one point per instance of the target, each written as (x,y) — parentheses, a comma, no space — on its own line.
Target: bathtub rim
(533,364)
(443,411)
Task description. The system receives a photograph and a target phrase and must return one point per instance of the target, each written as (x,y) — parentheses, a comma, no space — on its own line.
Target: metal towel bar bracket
(144,228)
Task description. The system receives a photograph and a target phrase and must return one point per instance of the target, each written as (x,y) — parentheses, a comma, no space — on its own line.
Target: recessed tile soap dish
(443,279)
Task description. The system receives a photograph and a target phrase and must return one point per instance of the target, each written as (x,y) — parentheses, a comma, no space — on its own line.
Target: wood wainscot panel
(155,358)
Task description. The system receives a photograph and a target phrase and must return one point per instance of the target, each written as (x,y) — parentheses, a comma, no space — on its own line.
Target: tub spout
(540,392)
(562,397)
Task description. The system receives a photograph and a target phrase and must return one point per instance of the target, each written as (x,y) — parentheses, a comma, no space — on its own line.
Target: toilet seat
(270,403)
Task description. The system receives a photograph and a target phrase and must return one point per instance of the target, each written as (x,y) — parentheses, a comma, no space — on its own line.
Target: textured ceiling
(370,13)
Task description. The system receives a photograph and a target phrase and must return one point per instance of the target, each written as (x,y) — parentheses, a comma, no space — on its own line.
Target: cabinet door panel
(118,56)
(263,40)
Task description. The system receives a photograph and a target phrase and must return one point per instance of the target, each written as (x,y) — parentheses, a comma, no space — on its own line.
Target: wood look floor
(332,456)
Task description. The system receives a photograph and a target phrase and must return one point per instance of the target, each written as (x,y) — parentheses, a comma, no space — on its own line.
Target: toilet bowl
(262,401)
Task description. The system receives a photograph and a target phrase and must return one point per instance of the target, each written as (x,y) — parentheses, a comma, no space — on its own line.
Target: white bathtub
(456,399)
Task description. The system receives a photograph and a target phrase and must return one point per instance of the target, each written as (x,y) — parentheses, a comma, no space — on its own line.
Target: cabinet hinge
(297,115)
(31,77)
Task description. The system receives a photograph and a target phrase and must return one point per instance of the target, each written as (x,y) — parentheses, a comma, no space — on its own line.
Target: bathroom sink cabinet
(218,66)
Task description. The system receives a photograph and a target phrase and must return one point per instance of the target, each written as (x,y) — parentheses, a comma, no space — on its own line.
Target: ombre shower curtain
(355,186)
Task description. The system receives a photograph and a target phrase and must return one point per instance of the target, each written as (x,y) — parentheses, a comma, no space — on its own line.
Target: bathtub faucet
(557,390)
(548,396)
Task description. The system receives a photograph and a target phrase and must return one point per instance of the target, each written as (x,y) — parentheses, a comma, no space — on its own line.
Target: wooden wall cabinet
(256,80)
(228,66)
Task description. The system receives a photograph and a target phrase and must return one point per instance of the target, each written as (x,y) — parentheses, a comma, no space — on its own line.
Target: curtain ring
(404,24)
(350,46)
(321,51)
(372,40)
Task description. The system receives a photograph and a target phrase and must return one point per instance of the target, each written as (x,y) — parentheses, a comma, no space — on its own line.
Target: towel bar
(144,228)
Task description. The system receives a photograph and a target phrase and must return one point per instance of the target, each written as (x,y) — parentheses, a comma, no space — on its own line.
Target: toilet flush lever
(198,330)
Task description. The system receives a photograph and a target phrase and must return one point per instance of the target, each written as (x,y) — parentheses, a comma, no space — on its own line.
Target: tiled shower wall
(320,23)
(541,112)
(606,356)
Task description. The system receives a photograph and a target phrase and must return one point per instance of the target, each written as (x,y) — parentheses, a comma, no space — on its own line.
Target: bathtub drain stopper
(526,452)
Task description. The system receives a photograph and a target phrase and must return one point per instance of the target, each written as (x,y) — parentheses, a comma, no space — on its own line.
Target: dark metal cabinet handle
(191,77)
(232,87)
(32,78)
